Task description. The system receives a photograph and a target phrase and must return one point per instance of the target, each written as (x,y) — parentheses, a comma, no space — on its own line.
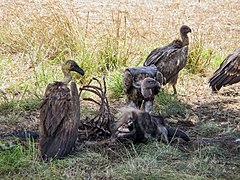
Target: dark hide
(140,126)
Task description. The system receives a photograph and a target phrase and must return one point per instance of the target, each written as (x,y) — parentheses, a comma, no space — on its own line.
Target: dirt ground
(222,109)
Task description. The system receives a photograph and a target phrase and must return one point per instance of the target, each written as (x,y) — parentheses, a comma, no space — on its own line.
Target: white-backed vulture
(170,59)
(141,84)
(139,126)
(60,115)
(228,73)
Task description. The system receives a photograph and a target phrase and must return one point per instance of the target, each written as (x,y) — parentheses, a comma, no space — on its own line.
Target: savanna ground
(105,37)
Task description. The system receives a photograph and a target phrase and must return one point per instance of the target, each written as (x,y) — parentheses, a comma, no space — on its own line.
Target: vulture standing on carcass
(172,58)
(141,84)
(228,73)
(60,115)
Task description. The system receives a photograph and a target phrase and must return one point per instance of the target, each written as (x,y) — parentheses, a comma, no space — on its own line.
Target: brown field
(106,37)
(35,31)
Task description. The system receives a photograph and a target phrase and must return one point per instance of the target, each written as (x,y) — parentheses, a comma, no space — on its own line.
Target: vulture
(228,73)
(139,126)
(170,59)
(141,84)
(60,115)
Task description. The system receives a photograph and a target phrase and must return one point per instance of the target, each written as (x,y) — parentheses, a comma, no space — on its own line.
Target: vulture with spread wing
(170,59)
(228,73)
(60,115)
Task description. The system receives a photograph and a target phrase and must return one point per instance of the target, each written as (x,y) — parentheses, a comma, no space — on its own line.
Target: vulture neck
(185,39)
(67,77)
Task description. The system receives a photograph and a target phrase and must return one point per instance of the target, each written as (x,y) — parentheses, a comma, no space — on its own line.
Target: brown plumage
(141,84)
(228,73)
(139,126)
(172,58)
(60,115)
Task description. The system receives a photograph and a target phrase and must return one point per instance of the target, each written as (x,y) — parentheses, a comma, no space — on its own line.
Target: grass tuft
(168,104)
(18,158)
(114,84)
(19,105)
(208,129)
(199,57)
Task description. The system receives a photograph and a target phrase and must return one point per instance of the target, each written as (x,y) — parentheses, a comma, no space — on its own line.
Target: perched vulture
(228,73)
(172,58)
(139,126)
(141,84)
(60,115)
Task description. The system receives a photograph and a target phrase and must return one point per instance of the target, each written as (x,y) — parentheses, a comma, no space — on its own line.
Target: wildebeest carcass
(139,126)
(97,126)
(172,58)
(141,84)
(228,73)
(60,115)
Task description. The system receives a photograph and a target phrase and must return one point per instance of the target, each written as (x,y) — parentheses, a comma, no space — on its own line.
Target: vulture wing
(169,60)
(54,107)
(127,81)
(228,72)
(59,118)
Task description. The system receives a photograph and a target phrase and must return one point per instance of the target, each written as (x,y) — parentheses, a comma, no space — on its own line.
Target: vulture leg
(174,89)
(173,82)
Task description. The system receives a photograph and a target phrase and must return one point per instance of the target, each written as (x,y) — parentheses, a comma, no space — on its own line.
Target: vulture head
(69,66)
(147,86)
(185,29)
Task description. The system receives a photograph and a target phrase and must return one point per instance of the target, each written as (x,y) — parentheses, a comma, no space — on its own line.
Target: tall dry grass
(36,36)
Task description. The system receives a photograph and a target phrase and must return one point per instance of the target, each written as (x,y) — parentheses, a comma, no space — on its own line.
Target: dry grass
(37,35)
(105,37)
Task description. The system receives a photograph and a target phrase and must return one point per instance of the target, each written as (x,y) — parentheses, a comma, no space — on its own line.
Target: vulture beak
(77,69)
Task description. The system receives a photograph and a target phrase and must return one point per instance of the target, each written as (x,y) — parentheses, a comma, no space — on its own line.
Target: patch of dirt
(205,107)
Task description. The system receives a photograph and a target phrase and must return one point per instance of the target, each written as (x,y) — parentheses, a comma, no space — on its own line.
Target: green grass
(208,129)
(142,161)
(168,104)
(114,83)
(19,105)
(16,159)
(216,61)
(199,57)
